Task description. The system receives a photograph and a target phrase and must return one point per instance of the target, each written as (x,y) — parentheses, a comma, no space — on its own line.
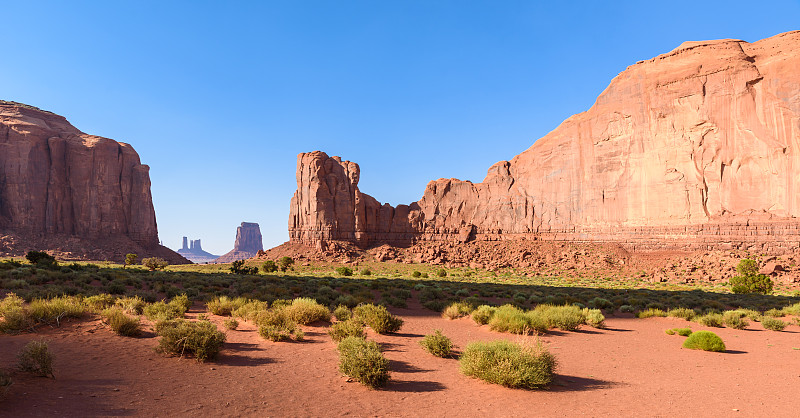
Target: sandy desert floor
(631,368)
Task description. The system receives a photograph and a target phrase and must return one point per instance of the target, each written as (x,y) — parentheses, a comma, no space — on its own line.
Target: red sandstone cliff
(701,143)
(70,192)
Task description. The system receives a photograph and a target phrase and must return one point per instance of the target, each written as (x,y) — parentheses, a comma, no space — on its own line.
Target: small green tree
(285,262)
(749,279)
(155,263)
(42,259)
(269,267)
(238,267)
(130,259)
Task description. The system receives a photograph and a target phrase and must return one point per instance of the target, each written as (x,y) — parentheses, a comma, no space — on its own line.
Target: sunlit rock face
(698,147)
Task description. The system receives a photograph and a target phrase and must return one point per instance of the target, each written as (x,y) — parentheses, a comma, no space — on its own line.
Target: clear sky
(219,97)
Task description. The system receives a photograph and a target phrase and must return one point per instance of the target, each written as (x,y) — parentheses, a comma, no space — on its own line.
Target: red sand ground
(632,368)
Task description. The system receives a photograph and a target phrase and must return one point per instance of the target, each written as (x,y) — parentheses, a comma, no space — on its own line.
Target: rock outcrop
(193,251)
(248,243)
(69,192)
(696,148)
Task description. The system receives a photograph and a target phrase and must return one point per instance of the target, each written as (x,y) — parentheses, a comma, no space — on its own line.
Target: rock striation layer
(248,243)
(72,193)
(695,148)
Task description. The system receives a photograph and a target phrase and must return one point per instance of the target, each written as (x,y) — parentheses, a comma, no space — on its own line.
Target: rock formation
(696,148)
(193,251)
(247,245)
(75,194)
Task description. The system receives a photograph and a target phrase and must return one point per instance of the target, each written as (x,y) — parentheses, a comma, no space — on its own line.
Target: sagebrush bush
(704,340)
(98,303)
(651,312)
(509,364)
(441,273)
(224,306)
(594,318)
(773,324)
(53,310)
(483,314)
(363,361)
(160,311)
(684,313)
(342,313)
(230,323)
(509,318)
(250,310)
(775,313)
(15,315)
(437,344)
(567,318)
(120,323)
(131,305)
(711,319)
(306,310)
(35,357)
(348,328)
(378,318)
(276,324)
(457,310)
(180,337)
(344,271)
(734,319)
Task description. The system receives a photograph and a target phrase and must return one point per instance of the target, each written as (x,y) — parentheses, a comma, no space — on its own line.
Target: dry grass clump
(773,324)
(704,340)
(250,310)
(35,357)
(735,319)
(594,318)
(437,344)
(483,314)
(378,318)
(306,310)
(509,318)
(652,312)
(684,313)
(683,332)
(457,310)
(711,319)
(131,305)
(120,323)
(230,323)
(224,306)
(567,317)
(162,311)
(179,337)
(342,313)
(509,364)
(363,361)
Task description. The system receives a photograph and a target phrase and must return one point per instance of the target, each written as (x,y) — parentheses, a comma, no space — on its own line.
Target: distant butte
(248,243)
(193,251)
(698,148)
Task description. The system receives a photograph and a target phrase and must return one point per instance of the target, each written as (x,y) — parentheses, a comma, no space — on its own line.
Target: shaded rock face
(57,181)
(699,147)
(248,243)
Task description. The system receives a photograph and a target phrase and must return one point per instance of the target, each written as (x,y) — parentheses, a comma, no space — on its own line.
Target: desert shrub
(342,313)
(710,319)
(704,340)
(734,319)
(285,262)
(378,318)
(269,266)
(120,323)
(415,274)
(437,344)
(347,328)
(54,310)
(567,318)
(276,324)
(749,279)
(130,259)
(155,263)
(483,314)
(42,260)
(250,310)
(508,318)
(131,305)
(99,302)
(594,318)
(35,357)
(651,312)
(600,303)
(344,271)
(15,316)
(792,309)
(627,309)
(775,313)
(509,364)
(670,331)
(5,383)
(307,310)
(753,314)
(684,313)
(239,267)
(275,333)
(230,323)
(224,306)
(363,361)
(160,311)
(441,273)
(773,324)
(201,339)
(366,272)
(457,310)
(684,332)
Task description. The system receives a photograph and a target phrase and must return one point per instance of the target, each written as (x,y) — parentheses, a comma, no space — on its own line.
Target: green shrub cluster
(704,340)
(509,364)
(378,318)
(306,310)
(684,332)
(224,305)
(750,280)
(348,328)
(483,314)
(344,271)
(457,310)
(651,312)
(155,263)
(773,324)
(684,313)
(230,323)
(179,337)
(437,344)
(711,319)
(342,313)
(363,361)
(735,319)
(239,267)
(160,311)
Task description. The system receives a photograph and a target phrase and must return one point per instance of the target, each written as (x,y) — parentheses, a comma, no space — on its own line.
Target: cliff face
(700,142)
(248,243)
(56,181)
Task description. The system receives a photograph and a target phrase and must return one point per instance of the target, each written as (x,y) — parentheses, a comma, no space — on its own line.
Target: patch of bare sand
(632,368)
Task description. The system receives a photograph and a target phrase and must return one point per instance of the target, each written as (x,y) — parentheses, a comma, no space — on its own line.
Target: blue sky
(220,97)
